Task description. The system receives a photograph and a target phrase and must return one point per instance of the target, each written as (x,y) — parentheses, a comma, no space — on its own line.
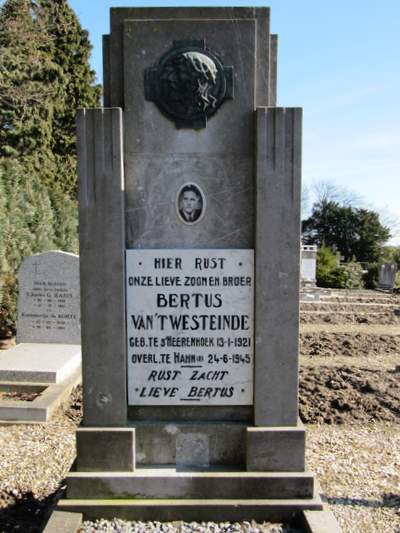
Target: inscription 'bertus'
(189,84)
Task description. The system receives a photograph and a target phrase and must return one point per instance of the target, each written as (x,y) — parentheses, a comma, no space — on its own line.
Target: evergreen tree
(26,227)
(354,232)
(70,51)
(27,76)
(44,77)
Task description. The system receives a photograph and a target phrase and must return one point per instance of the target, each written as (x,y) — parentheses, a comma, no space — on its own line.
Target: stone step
(168,483)
(192,510)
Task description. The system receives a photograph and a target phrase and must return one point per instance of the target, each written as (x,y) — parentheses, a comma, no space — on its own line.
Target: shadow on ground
(388,500)
(27,514)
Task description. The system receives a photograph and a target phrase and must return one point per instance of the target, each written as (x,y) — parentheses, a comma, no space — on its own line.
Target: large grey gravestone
(49,299)
(189,235)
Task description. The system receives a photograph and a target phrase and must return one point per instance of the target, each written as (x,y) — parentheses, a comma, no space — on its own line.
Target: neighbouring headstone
(49,299)
(387,276)
(308,269)
(189,202)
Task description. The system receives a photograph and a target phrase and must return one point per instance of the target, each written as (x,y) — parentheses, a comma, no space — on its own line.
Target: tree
(354,232)
(44,77)
(329,273)
(70,50)
(27,78)
(328,191)
(26,227)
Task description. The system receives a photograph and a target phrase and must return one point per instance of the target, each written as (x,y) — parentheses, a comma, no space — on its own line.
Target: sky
(340,62)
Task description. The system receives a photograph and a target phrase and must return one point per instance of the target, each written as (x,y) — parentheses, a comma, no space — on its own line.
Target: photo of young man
(190,203)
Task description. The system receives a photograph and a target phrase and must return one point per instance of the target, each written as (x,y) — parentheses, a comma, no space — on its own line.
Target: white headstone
(308,264)
(49,300)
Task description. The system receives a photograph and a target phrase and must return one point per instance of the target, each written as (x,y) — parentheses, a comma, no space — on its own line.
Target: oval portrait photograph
(190,203)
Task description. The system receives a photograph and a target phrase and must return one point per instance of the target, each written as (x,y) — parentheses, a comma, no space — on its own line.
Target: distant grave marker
(308,265)
(387,276)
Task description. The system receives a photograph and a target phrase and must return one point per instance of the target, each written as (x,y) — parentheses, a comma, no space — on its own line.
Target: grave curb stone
(323,521)
(63,522)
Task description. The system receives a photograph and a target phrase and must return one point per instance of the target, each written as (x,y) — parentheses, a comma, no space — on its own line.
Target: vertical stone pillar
(278,177)
(102,264)
(273,70)
(106,71)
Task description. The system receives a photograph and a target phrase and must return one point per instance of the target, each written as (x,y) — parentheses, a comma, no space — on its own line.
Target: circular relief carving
(189,84)
(190,203)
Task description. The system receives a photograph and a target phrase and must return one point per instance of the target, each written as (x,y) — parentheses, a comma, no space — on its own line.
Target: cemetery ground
(349,400)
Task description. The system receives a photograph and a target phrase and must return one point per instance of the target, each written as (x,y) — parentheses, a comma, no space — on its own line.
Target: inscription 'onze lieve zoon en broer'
(190,327)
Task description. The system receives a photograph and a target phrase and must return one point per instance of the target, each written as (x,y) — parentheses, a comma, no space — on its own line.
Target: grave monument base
(188,510)
(270,484)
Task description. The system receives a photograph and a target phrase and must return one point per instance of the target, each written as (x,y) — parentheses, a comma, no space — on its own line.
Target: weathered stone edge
(40,409)
(63,522)
(320,521)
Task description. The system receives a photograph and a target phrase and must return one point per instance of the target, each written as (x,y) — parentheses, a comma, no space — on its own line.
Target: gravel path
(358,469)
(35,459)
(119,526)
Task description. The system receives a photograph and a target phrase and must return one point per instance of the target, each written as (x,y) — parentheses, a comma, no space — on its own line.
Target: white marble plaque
(190,327)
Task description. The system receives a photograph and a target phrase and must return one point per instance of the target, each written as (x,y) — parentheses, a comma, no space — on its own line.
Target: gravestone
(48,326)
(308,268)
(189,202)
(48,301)
(387,276)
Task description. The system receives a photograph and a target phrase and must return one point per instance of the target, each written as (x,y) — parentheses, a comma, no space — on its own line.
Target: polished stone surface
(49,302)
(40,363)
(190,327)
